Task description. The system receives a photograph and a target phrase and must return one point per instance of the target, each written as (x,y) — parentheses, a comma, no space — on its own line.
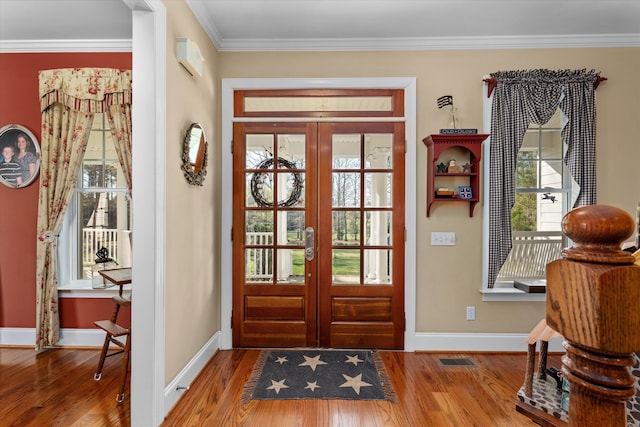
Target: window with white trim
(542,187)
(99,216)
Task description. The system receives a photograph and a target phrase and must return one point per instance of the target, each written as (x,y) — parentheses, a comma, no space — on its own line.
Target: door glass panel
(377,266)
(346,190)
(378,151)
(291,189)
(259,148)
(259,189)
(259,227)
(291,228)
(377,189)
(345,150)
(346,228)
(290,266)
(291,148)
(377,228)
(345,266)
(258,265)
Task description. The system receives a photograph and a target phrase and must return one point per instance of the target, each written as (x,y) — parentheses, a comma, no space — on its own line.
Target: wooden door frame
(408,84)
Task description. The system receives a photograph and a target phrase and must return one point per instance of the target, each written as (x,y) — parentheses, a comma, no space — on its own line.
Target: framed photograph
(19,156)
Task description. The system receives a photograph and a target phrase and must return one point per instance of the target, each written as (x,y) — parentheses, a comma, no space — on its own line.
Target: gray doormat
(318,374)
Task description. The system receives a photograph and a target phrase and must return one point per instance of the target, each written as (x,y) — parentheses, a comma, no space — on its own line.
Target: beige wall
(449,278)
(192,295)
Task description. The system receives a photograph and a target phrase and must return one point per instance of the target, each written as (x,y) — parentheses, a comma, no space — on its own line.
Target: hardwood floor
(56,388)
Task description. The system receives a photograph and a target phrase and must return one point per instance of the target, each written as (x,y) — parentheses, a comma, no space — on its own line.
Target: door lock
(309,245)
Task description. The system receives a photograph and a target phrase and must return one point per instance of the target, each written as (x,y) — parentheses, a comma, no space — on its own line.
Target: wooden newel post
(593,300)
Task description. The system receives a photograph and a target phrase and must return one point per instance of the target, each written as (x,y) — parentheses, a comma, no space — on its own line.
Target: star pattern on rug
(312,386)
(354,359)
(277,385)
(355,382)
(281,360)
(312,362)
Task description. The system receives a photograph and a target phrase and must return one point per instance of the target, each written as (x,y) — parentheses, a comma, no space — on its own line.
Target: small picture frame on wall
(19,156)
(465,192)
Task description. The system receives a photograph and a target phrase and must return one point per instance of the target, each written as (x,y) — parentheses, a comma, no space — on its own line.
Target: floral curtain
(523,97)
(69,99)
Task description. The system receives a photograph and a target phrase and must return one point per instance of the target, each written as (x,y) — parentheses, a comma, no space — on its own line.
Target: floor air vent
(456,361)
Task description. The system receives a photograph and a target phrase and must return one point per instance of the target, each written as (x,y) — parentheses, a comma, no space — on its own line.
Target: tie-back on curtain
(69,99)
(521,98)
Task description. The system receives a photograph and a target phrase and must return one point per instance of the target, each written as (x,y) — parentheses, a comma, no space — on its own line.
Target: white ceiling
(346,24)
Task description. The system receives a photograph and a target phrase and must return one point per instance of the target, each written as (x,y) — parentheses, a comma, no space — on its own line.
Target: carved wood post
(593,300)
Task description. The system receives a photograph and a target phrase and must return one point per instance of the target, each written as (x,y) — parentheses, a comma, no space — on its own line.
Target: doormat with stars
(318,374)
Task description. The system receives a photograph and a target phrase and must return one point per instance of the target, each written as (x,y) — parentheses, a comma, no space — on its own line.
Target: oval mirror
(19,156)
(194,155)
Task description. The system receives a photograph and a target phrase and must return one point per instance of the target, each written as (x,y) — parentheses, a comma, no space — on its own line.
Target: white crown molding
(88,45)
(430,43)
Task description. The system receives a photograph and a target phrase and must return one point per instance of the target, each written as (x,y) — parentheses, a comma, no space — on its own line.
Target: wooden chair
(113,331)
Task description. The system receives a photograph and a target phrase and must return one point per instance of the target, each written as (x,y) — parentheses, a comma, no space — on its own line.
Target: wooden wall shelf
(464,148)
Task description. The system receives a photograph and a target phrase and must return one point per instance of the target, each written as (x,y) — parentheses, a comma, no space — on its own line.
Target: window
(99,214)
(541,200)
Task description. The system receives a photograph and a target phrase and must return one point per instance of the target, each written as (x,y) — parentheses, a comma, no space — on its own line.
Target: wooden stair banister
(593,300)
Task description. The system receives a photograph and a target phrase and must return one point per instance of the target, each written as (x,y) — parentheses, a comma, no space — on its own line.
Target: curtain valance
(90,90)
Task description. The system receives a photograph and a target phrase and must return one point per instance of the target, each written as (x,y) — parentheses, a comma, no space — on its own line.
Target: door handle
(309,245)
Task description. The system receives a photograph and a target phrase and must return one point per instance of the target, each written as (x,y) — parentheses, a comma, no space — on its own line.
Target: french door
(318,235)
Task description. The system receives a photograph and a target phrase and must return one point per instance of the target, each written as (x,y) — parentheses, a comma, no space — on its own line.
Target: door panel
(274,291)
(361,243)
(318,235)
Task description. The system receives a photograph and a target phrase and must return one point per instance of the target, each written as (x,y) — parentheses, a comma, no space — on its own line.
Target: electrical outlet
(443,238)
(471,312)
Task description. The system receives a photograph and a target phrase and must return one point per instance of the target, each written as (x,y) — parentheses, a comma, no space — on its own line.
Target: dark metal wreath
(258,179)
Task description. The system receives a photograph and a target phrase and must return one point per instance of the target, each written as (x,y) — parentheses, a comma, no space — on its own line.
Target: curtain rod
(491,81)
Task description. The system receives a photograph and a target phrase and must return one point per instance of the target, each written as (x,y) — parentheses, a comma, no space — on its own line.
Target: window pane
(258,265)
(259,189)
(290,265)
(104,220)
(377,190)
(377,266)
(378,228)
(346,228)
(346,189)
(259,149)
(346,151)
(551,145)
(527,174)
(378,151)
(345,266)
(291,228)
(259,227)
(551,174)
(291,148)
(291,190)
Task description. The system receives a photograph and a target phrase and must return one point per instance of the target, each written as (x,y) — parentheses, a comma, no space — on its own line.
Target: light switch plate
(443,238)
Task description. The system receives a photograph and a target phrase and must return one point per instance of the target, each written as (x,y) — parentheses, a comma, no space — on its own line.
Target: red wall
(19,104)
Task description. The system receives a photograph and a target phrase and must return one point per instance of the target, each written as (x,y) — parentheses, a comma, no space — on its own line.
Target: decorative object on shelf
(442,168)
(258,179)
(467,150)
(445,100)
(465,192)
(103,262)
(458,131)
(194,155)
(19,156)
(444,192)
(453,167)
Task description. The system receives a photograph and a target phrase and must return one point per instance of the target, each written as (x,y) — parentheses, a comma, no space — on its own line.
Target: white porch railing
(96,238)
(530,253)
(259,261)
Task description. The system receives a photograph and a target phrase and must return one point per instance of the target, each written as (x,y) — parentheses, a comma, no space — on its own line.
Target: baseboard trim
(423,342)
(477,342)
(179,385)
